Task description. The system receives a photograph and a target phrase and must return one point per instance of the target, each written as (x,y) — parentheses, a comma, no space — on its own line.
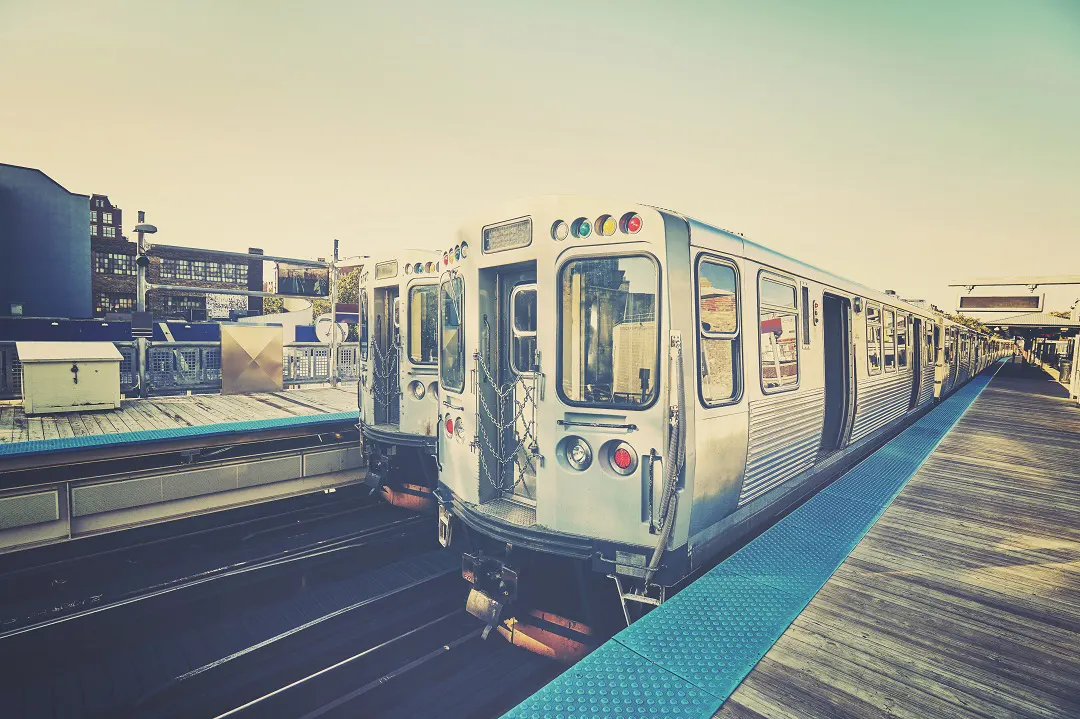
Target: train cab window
(362,326)
(890,341)
(452,334)
(609,344)
(523,329)
(423,324)
(718,331)
(901,340)
(873,339)
(779,335)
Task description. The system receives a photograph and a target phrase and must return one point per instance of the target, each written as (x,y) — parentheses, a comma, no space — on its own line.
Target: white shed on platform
(69,376)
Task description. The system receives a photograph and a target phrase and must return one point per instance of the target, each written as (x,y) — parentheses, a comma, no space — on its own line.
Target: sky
(905,145)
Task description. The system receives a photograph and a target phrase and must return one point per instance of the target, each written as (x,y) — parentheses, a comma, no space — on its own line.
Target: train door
(914,350)
(839,364)
(510,379)
(387,340)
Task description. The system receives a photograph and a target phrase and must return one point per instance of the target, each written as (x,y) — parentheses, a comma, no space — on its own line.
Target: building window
(108,231)
(93,215)
(93,231)
(180,303)
(779,335)
(718,331)
(213,271)
(106,217)
(114,263)
(106,302)
(873,339)
(100,203)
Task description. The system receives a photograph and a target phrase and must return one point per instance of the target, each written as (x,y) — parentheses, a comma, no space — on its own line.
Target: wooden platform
(964,599)
(172,412)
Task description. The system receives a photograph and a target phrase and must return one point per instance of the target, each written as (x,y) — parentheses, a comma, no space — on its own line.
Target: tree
(971,323)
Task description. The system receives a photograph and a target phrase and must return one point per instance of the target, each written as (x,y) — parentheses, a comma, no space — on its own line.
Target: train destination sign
(1000,303)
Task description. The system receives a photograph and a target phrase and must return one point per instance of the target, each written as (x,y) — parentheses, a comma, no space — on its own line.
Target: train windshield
(362,329)
(423,324)
(610,354)
(452,335)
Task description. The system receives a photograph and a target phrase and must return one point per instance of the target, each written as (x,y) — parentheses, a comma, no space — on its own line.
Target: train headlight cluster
(623,459)
(417,388)
(578,453)
(604,226)
(455,428)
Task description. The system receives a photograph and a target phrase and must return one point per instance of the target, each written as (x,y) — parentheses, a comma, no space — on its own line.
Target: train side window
(718,332)
(901,340)
(931,332)
(890,341)
(873,339)
(806,316)
(779,335)
(523,329)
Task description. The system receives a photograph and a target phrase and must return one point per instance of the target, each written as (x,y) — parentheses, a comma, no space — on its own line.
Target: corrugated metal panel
(785,434)
(27,509)
(926,390)
(97,498)
(335,460)
(268,471)
(198,482)
(880,401)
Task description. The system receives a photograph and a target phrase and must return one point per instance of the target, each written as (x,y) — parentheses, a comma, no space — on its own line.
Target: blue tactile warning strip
(68,444)
(687,656)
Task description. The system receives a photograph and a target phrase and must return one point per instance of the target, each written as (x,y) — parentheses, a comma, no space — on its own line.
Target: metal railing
(173,367)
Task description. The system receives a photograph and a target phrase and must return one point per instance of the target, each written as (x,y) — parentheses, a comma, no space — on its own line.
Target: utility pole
(142,262)
(333,318)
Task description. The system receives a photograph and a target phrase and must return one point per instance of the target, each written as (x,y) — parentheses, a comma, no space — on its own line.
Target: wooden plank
(964,599)
(63,426)
(34,428)
(7,423)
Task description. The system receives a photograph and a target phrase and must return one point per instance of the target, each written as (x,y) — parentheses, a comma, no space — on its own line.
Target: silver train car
(605,399)
(398,389)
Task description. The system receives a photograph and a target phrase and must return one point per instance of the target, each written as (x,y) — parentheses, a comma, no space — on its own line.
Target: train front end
(399,376)
(558,433)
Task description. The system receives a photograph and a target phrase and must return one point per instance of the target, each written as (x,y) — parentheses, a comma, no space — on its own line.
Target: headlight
(459,429)
(417,389)
(434,389)
(578,453)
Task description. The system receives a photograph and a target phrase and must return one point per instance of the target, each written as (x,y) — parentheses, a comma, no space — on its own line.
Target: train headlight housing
(459,429)
(606,225)
(464,250)
(623,459)
(581,228)
(578,453)
(560,231)
(433,388)
(417,388)
(631,223)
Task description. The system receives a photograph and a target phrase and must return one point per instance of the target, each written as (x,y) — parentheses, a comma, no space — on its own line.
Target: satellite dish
(324,324)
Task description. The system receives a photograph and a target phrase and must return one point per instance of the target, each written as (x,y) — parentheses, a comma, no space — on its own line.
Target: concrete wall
(44,246)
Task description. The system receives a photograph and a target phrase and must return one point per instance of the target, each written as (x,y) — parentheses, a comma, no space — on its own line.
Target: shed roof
(66,351)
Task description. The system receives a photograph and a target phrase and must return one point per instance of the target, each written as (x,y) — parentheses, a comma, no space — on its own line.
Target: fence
(174,367)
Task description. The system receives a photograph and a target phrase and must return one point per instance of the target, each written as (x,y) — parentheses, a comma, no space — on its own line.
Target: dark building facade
(193,268)
(44,246)
(112,268)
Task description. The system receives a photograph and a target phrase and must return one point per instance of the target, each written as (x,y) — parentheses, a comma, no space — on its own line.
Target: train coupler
(494,588)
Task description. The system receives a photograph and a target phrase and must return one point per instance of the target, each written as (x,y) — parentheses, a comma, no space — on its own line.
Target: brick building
(114,276)
(112,259)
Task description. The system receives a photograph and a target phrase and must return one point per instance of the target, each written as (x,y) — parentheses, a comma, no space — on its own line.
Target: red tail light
(622,458)
(449,427)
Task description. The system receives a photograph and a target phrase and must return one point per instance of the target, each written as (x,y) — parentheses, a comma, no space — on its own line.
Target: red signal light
(622,458)
(449,427)
(633,224)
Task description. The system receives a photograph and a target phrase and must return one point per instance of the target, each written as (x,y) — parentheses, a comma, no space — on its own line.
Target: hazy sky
(863,136)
